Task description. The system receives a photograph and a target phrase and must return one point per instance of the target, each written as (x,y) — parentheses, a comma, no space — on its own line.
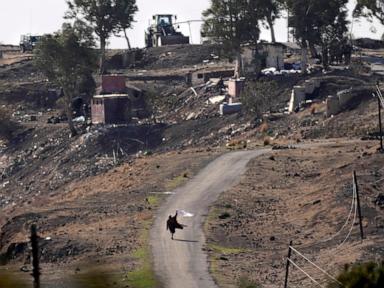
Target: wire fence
(318,275)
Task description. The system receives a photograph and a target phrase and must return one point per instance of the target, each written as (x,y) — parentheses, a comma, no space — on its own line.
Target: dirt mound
(368,43)
(174,56)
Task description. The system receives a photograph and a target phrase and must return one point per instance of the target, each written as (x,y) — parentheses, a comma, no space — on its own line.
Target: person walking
(172,224)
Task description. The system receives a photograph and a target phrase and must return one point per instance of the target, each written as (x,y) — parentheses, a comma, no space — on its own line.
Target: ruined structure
(270,55)
(202,76)
(300,92)
(112,105)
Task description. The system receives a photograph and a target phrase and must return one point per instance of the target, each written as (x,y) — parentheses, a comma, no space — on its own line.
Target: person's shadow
(187,241)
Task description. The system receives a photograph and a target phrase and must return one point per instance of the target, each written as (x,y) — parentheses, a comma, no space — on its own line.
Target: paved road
(182,263)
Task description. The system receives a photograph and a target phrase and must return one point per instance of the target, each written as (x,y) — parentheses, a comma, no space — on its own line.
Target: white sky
(46,16)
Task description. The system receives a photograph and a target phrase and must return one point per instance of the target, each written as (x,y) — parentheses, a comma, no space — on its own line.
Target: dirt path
(182,262)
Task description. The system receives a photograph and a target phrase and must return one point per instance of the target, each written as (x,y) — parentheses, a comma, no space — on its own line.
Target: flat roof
(111,96)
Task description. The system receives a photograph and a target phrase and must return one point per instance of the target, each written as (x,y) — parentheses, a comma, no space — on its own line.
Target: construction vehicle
(162,32)
(28,42)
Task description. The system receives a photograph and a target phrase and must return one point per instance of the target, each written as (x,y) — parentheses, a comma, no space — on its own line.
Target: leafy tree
(232,23)
(271,10)
(318,22)
(332,30)
(370,8)
(67,58)
(104,16)
(367,275)
(125,11)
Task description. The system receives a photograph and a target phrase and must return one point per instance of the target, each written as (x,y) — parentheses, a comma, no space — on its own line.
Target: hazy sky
(45,16)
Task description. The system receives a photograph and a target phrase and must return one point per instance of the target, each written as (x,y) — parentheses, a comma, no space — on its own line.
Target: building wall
(203,76)
(111,84)
(117,110)
(274,57)
(97,111)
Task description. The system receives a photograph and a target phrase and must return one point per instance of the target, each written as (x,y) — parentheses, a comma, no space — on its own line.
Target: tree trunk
(127,39)
(238,65)
(312,49)
(102,55)
(68,112)
(270,24)
(325,57)
(304,58)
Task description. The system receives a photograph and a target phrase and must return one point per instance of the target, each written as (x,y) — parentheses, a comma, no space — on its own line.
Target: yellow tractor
(162,32)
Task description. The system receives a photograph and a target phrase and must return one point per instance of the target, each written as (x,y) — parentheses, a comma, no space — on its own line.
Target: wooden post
(380,125)
(358,204)
(287,267)
(35,257)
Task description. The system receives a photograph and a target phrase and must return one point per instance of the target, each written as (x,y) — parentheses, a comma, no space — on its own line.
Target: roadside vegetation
(367,275)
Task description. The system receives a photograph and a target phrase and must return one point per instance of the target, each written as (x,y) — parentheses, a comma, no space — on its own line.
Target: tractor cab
(165,23)
(163,32)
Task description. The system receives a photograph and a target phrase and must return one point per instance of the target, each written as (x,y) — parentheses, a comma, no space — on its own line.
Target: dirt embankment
(304,196)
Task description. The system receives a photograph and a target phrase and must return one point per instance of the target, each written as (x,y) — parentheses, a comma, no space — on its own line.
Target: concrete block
(111,84)
(345,97)
(333,105)
(309,87)
(297,97)
(316,82)
(226,109)
(235,87)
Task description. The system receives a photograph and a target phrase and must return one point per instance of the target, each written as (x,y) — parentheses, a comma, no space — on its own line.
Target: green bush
(244,282)
(367,275)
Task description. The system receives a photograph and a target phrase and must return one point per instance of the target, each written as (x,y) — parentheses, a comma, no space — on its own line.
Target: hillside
(95,196)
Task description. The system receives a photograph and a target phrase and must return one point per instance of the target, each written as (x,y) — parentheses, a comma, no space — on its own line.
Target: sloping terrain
(304,196)
(93,196)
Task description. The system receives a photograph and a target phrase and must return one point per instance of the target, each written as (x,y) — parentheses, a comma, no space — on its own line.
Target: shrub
(367,275)
(224,215)
(267,141)
(7,126)
(259,97)
(244,282)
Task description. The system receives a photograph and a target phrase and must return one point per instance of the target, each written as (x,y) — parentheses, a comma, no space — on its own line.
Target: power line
(302,270)
(322,270)
(347,221)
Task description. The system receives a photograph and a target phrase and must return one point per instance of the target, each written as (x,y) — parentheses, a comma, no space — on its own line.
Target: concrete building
(112,105)
(111,109)
(202,76)
(235,88)
(270,54)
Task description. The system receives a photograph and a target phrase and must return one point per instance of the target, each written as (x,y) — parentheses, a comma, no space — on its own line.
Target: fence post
(287,267)
(35,257)
(380,125)
(358,205)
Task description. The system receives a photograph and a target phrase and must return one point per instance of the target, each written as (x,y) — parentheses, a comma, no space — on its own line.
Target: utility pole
(381,105)
(287,266)
(355,186)
(35,257)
